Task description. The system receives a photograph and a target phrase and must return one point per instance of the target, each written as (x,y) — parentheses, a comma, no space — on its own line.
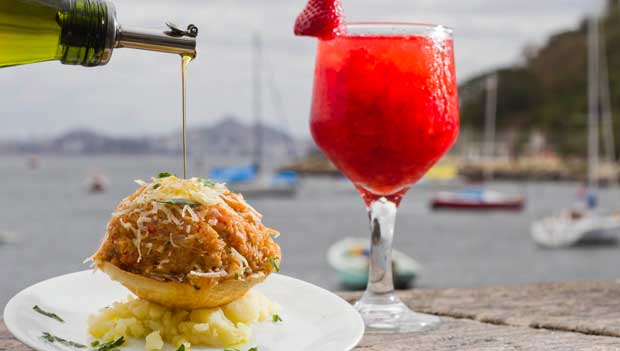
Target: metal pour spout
(174,41)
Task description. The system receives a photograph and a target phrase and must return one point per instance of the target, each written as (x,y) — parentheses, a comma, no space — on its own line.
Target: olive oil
(185,60)
(73,31)
(38,43)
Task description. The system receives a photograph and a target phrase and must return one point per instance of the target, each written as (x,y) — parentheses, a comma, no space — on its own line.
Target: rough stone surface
(562,316)
(585,307)
(468,335)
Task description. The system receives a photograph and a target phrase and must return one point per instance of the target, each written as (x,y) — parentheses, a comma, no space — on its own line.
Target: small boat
(97,184)
(34,162)
(7,238)
(571,227)
(349,257)
(278,184)
(477,199)
(234,175)
(252,183)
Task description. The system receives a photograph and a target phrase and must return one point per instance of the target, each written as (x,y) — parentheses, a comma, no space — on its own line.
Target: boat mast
(607,113)
(257,102)
(593,101)
(276,100)
(490,118)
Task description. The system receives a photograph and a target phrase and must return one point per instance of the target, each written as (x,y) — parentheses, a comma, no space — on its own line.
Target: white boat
(570,227)
(97,183)
(269,185)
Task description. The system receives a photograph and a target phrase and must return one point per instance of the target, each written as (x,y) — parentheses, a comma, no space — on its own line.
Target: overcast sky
(139,92)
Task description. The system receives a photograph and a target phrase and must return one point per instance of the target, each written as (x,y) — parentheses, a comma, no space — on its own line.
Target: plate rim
(21,337)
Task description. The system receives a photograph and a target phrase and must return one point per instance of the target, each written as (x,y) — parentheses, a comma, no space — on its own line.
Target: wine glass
(384,111)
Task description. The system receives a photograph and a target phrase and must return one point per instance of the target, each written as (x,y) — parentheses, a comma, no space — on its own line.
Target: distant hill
(229,137)
(548,90)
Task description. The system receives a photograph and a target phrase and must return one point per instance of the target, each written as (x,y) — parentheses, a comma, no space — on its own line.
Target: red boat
(477,200)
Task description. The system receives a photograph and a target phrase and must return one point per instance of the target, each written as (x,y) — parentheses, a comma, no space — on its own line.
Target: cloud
(139,92)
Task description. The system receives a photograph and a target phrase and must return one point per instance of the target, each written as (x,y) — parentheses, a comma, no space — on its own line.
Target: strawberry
(321,19)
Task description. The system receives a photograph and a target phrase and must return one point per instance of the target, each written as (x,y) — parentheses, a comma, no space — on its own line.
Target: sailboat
(255,180)
(481,199)
(584,221)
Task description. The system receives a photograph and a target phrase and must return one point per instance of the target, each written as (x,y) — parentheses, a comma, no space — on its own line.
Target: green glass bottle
(77,32)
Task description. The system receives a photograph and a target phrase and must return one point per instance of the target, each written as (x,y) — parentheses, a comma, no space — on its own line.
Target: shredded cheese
(243,262)
(140,182)
(191,212)
(274,233)
(172,241)
(138,240)
(193,189)
(218,274)
(127,226)
(171,217)
(154,199)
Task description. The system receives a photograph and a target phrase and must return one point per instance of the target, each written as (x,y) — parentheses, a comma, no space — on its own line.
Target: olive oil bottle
(77,32)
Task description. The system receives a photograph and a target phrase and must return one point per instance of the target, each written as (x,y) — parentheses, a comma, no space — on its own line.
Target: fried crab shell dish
(187,244)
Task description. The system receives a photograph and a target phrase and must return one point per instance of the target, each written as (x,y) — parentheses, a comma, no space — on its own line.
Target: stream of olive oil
(185,60)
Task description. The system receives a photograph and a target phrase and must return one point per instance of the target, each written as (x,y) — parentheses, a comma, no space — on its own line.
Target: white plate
(314,319)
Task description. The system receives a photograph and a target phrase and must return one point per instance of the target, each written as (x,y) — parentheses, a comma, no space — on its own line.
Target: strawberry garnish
(321,18)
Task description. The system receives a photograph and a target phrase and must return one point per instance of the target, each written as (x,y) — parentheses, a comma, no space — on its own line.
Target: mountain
(229,137)
(547,91)
(89,142)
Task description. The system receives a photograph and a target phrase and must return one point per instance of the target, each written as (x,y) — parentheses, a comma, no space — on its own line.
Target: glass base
(394,318)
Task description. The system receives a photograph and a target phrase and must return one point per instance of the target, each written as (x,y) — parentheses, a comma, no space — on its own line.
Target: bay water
(49,223)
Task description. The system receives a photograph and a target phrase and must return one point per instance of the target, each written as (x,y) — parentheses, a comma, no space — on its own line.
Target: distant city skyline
(138,93)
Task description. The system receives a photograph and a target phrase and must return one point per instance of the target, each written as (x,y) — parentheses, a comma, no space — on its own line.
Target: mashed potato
(224,326)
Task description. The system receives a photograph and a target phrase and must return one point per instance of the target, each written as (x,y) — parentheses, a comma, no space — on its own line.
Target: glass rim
(414,28)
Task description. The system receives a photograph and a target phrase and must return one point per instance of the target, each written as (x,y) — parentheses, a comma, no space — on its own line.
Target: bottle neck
(154,40)
(88,33)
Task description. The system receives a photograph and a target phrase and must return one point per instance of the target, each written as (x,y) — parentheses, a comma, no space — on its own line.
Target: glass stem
(380,289)
(380,307)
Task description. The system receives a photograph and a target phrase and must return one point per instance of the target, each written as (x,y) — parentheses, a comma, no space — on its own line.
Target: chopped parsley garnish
(276,318)
(165,175)
(94,343)
(255,348)
(47,314)
(274,264)
(179,202)
(181,348)
(52,339)
(110,346)
(207,182)
(156,186)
